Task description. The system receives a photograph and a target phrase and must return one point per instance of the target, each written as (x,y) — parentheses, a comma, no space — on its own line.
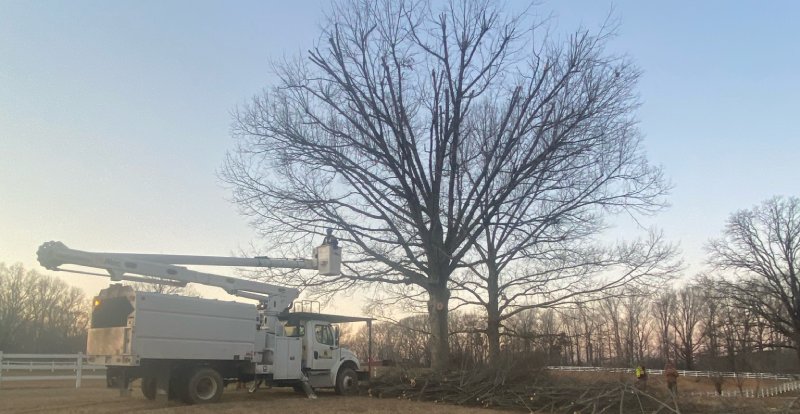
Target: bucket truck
(189,348)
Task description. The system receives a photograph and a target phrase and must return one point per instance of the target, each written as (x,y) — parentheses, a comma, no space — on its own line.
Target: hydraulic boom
(163,269)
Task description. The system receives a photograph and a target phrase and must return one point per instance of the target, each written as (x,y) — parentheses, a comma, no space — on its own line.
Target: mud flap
(124,384)
(162,384)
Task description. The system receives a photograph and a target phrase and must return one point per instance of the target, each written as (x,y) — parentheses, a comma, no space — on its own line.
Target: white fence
(33,367)
(756,393)
(709,374)
(792,385)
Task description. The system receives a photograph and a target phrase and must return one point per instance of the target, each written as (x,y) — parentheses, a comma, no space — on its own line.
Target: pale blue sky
(114,116)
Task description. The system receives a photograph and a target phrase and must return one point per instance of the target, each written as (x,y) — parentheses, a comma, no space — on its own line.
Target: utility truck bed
(129,326)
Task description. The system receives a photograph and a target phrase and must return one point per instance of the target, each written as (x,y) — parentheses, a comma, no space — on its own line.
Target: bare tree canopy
(563,271)
(39,313)
(411,128)
(761,247)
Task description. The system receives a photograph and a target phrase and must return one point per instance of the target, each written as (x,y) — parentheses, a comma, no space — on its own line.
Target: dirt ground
(59,397)
(94,397)
(656,385)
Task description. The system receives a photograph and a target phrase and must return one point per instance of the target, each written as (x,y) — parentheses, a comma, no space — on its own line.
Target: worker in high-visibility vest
(641,377)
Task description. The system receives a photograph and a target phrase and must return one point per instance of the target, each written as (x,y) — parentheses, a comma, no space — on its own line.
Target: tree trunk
(493,318)
(688,351)
(493,336)
(438,303)
(796,344)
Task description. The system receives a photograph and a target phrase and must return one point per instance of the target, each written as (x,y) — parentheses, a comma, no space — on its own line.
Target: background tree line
(40,313)
(693,325)
(740,316)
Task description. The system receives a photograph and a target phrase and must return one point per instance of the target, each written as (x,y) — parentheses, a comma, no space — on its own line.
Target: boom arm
(162,269)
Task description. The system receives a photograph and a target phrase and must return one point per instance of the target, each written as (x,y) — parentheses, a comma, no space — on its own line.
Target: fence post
(78,372)
(1,367)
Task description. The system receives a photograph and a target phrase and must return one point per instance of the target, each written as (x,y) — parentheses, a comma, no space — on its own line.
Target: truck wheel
(346,382)
(203,385)
(149,388)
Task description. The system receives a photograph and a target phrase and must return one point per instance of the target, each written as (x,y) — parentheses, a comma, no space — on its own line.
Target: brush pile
(516,388)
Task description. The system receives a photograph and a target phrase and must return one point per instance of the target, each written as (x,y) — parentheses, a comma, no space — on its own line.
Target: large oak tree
(411,127)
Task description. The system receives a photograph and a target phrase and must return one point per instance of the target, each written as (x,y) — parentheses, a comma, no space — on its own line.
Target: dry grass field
(59,397)
(685,384)
(62,397)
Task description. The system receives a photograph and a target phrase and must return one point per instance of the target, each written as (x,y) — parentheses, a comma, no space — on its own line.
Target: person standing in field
(671,374)
(641,377)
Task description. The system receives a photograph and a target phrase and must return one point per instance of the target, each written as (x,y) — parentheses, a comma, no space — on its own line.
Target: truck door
(324,353)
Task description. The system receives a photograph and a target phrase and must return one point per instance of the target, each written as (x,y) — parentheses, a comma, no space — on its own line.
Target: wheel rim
(348,384)
(206,388)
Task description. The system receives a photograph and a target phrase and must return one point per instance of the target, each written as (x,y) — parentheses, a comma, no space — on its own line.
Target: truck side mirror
(336,335)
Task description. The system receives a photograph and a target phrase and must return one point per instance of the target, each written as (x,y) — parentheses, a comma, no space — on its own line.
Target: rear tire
(202,385)
(347,382)
(149,388)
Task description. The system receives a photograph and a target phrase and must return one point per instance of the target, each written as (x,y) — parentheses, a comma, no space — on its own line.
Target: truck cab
(324,361)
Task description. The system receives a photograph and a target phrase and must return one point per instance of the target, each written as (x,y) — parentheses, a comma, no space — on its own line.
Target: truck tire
(346,382)
(149,388)
(202,385)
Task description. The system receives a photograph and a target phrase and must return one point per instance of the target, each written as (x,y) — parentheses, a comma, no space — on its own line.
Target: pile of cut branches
(517,388)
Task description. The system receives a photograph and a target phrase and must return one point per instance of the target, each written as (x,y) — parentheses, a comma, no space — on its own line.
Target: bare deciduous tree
(663,308)
(761,247)
(555,276)
(686,321)
(412,127)
(39,313)
(637,328)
